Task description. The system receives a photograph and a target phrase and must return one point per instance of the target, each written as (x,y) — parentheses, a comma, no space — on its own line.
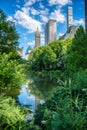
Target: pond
(36,91)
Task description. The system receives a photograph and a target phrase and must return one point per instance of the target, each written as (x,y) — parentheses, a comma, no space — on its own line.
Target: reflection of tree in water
(42,87)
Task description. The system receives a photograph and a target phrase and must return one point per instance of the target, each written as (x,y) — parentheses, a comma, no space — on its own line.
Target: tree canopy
(77,56)
(8,35)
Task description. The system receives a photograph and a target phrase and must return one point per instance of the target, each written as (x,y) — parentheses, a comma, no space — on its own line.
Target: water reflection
(42,87)
(25,98)
(36,91)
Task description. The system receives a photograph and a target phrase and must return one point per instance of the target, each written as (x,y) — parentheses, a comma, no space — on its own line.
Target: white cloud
(44,15)
(26,21)
(44,18)
(32,43)
(34,11)
(29,2)
(60,34)
(10,18)
(79,22)
(44,12)
(58,16)
(61,2)
(26,10)
(41,6)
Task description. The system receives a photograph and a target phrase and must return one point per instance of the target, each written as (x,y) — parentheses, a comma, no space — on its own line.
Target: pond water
(25,98)
(37,91)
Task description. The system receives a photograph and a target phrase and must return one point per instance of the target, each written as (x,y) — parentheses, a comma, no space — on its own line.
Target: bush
(12,117)
(11,72)
(66,110)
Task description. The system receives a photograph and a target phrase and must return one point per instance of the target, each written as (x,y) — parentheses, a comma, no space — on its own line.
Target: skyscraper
(37,38)
(50,31)
(69,17)
(86,15)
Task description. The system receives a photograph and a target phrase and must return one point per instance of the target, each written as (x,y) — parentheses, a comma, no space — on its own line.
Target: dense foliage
(67,109)
(77,54)
(11,72)
(41,58)
(67,61)
(13,117)
(49,57)
(8,34)
(11,69)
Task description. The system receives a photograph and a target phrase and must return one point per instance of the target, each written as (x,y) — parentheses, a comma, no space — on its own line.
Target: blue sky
(30,14)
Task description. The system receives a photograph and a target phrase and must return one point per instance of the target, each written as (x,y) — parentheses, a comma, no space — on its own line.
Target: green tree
(59,47)
(77,53)
(8,35)
(41,58)
(11,72)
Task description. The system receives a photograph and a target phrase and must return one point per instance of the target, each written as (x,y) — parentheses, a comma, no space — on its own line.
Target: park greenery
(66,61)
(63,60)
(12,75)
(51,57)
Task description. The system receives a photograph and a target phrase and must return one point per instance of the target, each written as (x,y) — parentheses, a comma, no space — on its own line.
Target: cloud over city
(79,22)
(60,2)
(27,21)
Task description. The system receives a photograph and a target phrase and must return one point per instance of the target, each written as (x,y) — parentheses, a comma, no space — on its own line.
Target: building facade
(86,15)
(50,31)
(37,38)
(70,33)
(69,17)
(71,29)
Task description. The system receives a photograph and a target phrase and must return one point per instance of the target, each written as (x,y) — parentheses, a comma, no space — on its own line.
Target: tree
(41,58)
(77,53)
(59,47)
(49,57)
(11,73)
(8,35)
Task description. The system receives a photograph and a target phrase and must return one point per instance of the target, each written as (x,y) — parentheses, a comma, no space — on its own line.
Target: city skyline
(28,15)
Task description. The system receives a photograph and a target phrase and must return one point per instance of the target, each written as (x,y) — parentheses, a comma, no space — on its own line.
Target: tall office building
(69,17)
(86,15)
(50,31)
(37,38)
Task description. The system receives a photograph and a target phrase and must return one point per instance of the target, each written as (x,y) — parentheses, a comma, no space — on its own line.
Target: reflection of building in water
(37,102)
